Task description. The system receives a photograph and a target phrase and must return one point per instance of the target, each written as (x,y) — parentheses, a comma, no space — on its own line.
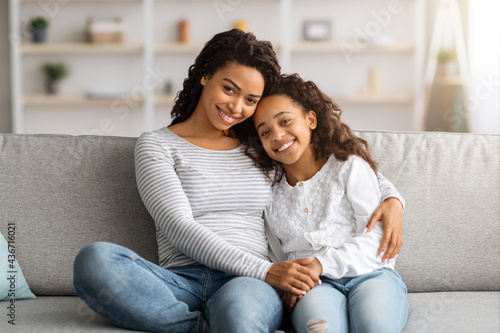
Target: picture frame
(317,30)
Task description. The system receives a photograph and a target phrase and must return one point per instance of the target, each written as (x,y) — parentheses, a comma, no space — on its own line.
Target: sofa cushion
(64,192)
(451,186)
(452,312)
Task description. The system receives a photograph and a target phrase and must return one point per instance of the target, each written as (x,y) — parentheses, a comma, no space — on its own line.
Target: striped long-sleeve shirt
(207,205)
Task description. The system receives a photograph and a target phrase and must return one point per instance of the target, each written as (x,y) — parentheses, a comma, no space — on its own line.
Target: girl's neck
(304,169)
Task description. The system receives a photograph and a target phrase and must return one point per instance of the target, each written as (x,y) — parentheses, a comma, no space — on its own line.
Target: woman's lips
(226,116)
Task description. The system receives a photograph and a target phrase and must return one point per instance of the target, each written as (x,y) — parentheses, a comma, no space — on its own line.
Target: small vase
(51,87)
(38,34)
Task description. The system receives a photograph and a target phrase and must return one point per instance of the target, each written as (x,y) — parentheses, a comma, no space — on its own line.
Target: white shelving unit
(150,50)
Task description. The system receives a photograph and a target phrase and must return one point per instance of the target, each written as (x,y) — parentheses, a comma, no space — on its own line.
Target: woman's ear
(312,119)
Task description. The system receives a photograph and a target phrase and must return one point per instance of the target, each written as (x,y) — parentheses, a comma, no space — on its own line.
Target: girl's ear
(312,119)
(204,80)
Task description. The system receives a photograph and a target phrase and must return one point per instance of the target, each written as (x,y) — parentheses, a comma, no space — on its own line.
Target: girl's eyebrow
(239,89)
(277,115)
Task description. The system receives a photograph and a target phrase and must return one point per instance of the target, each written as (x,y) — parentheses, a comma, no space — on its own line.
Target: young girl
(319,209)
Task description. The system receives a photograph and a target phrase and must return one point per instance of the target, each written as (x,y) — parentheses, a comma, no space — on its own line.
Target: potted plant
(447,59)
(38,28)
(54,72)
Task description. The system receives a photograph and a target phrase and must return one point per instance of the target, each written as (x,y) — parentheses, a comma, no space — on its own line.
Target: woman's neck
(303,169)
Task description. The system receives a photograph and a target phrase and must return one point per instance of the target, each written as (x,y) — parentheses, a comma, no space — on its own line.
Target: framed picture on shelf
(317,30)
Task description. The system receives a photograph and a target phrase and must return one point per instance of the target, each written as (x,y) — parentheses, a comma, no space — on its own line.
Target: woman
(206,197)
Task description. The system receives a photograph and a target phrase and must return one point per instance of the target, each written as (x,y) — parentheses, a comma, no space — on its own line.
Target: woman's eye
(229,89)
(285,121)
(251,101)
(264,133)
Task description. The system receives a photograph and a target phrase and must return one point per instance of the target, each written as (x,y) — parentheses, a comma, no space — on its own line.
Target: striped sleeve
(163,195)
(388,190)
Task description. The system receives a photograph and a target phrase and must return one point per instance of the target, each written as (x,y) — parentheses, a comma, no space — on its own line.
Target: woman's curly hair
(233,46)
(331,135)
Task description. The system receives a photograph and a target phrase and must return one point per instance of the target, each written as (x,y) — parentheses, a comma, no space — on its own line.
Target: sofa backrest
(64,192)
(451,186)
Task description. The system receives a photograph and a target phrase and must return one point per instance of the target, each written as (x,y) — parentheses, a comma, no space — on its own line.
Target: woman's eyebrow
(239,89)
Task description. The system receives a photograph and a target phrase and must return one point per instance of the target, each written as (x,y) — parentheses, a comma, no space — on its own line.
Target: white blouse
(325,216)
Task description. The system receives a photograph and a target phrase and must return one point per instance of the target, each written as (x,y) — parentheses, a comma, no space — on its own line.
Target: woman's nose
(236,106)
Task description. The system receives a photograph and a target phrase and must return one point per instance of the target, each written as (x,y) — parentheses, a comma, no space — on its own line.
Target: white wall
(265,23)
(5,118)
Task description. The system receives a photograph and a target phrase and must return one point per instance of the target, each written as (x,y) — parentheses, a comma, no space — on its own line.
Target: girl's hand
(390,213)
(289,300)
(292,276)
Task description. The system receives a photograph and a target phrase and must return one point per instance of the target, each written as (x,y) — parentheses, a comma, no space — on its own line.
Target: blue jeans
(373,302)
(134,293)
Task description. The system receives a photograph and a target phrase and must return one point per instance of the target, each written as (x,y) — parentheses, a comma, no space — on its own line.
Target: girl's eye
(264,133)
(251,101)
(284,122)
(229,89)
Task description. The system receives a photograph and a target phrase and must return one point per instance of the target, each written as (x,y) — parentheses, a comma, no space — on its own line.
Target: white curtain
(483,98)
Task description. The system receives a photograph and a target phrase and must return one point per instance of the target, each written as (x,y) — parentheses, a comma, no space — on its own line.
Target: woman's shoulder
(162,135)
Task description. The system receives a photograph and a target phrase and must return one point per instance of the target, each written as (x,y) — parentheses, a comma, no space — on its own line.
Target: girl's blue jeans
(373,302)
(134,293)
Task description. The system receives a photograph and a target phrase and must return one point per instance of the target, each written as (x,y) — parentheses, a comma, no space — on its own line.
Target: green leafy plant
(55,71)
(447,55)
(39,22)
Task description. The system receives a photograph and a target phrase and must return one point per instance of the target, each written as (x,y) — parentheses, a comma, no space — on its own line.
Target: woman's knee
(94,261)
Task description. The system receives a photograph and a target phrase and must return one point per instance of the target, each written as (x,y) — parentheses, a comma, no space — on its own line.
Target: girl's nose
(278,134)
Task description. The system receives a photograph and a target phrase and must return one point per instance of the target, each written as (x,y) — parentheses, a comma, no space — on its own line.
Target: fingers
(393,247)
(376,216)
(305,261)
(292,302)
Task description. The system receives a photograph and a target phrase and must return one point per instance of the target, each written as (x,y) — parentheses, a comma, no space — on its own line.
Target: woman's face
(230,96)
(285,129)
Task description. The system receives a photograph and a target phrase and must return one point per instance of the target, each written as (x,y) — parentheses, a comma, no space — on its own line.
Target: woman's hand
(390,213)
(292,276)
(289,299)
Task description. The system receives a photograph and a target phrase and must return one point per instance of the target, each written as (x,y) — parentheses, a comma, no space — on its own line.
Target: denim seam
(206,283)
(158,274)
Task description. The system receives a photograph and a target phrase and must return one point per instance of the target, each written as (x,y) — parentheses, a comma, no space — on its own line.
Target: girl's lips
(226,117)
(285,147)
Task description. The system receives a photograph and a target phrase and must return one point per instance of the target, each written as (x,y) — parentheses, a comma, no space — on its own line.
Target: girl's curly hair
(331,135)
(233,46)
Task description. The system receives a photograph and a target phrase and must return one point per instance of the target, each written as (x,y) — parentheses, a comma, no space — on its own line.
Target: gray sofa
(63,192)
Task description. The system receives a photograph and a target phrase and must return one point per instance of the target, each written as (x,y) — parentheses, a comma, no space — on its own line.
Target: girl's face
(285,129)
(230,96)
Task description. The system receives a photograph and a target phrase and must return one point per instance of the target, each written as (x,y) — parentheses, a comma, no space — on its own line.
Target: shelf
(79,48)
(337,47)
(71,100)
(89,1)
(178,48)
(374,99)
(84,100)
(164,99)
